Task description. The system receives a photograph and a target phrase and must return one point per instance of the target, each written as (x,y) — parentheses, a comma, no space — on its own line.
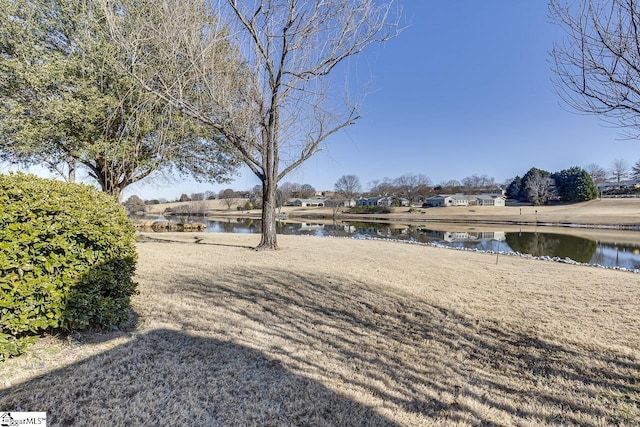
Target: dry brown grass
(343,332)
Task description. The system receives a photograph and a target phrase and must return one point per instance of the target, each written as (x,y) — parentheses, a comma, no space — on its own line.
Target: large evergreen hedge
(67,257)
(575,185)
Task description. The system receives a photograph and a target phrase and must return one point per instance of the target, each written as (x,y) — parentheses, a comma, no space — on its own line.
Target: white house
(465,200)
(490,200)
(383,201)
(437,201)
(448,200)
(305,203)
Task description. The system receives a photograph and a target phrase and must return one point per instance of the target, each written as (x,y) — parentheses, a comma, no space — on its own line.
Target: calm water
(535,243)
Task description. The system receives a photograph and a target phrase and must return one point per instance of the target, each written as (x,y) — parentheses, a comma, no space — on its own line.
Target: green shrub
(67,257)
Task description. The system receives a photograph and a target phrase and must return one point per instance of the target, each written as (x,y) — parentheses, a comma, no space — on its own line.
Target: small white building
(448,200)
(490,200)
(383,201)
(459,199)
(306,203)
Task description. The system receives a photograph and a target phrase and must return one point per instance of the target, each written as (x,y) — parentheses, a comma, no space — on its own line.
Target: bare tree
(451,186)
(197,207)
(296,190)
(255,197)
(598,174)
(228,195)
(478,182)
(539,187)
(287,190)
(349,185)
(411,185)
(619,170)
(597,66)
(382,188)
(307,191)
(263,72)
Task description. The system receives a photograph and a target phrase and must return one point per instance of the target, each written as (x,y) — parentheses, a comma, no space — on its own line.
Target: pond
(606,249)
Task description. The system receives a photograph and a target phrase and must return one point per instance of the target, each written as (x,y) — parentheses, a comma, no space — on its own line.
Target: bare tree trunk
(106,181)
(72,171)
(269,237)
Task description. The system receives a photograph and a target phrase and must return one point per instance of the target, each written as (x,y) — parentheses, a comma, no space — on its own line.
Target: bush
(67,257)
(246,207)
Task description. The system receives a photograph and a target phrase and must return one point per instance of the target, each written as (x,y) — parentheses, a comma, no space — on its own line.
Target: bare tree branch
(257,71)
(597,65)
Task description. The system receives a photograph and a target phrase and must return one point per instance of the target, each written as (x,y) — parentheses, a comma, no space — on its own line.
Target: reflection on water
(535,243)
(554,245)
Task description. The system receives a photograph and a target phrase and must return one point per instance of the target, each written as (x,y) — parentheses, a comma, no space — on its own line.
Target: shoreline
(621,214)
(565,260)
(449,220)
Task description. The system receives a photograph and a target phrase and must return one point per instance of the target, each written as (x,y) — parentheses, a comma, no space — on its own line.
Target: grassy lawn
(343,332)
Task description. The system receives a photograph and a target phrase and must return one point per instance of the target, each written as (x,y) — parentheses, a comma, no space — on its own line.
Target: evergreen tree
(635,171)
(513,190)
(65,99)
(575,185)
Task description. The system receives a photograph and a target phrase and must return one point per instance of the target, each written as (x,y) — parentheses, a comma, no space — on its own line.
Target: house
(460,199)
(448,200)
(437,201)
(383,201)
(399,201)
(306,203)
(490,200)
(338,203)
(368,201)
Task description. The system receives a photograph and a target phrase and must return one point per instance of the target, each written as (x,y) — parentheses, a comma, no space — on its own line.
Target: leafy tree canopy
(575,185)
(537,186)
(65,100)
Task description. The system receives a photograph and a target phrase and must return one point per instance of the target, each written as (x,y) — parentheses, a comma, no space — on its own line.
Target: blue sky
(465,89)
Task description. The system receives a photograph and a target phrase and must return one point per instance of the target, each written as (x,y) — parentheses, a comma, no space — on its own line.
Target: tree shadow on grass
(186,239)
(429,363)
(252,346)
(168,377)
